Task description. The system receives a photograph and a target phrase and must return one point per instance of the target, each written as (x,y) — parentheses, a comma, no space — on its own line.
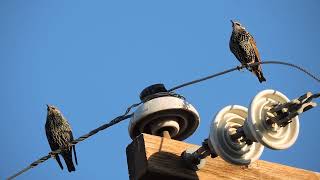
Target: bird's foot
(250,66)
(247,66)
(240,68)
(52,155)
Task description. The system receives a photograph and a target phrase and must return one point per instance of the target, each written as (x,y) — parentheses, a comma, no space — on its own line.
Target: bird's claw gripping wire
(52,155)
(282,114)
(239,68)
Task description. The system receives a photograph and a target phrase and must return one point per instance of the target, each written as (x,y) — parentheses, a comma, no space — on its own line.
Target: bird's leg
(248,66)
(240,68)
(53,155)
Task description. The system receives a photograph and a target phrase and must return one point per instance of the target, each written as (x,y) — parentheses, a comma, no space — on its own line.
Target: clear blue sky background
(92,58)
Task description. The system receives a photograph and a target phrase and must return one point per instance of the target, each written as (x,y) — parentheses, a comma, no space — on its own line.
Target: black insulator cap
(153,89)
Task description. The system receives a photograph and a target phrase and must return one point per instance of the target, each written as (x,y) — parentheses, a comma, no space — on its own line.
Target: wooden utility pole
(154,158)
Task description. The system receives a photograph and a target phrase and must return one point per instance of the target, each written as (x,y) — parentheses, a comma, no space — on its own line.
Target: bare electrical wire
(241,67)
(126,115)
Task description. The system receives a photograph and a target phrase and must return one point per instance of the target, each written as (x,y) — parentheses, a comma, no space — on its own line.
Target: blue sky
(92,58)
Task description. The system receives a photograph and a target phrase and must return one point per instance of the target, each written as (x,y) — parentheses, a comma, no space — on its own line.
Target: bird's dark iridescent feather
(241,47)
(244,47)
(59,135)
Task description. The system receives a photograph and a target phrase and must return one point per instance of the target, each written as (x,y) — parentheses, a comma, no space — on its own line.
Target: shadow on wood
(155,166)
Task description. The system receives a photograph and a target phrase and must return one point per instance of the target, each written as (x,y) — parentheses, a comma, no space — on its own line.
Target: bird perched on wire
(59,135)
(243,46)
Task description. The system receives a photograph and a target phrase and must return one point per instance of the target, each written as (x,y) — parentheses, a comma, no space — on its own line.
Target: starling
(243,46)
(59,135)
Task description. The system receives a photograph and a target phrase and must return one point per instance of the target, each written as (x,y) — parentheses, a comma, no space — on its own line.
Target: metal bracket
(281,114)
(241,136)
(195,158)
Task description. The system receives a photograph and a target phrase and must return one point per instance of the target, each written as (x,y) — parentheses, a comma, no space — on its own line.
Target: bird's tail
(260,76)
(67,156)
(58,160)
(75,154)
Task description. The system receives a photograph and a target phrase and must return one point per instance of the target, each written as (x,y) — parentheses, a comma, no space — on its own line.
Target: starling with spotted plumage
(59,135)
(243,46)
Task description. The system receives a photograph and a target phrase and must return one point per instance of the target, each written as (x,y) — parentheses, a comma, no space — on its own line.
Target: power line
(241,67)
(205,78)
(126,115)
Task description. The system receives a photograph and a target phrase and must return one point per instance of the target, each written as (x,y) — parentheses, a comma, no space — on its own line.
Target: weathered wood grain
(152,157)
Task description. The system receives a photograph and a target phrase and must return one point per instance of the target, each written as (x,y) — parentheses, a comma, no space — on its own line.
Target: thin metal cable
(205,78)
(162,94)
(241,67)
(95,131)
(292,65)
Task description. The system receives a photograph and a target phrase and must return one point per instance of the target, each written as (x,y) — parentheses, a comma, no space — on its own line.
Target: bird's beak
(48,107)
(232,22)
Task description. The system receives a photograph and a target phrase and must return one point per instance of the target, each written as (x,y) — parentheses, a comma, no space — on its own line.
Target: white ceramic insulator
(170,125)
(166,113)
(273,137)
(225,123)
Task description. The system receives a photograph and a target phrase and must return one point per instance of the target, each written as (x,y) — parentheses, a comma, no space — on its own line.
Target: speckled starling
(59,135)
(243,46)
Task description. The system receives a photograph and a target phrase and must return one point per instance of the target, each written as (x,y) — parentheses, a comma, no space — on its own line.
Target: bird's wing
(74,148)
(75,154)
(53,145)
(254,46)
(67,154)
(58,160)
